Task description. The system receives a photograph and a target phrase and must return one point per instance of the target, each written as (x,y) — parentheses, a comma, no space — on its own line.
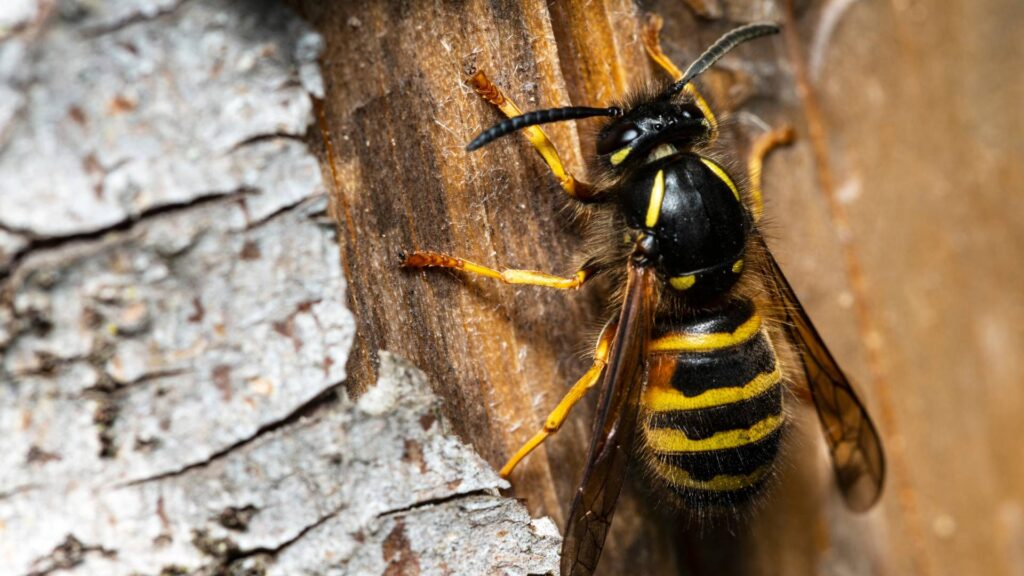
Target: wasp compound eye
(690,112)
(617,137)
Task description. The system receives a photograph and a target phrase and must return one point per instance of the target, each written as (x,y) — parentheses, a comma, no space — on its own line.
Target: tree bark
(174,328)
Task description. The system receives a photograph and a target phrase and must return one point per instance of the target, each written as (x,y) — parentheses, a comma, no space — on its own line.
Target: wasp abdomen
(714,404)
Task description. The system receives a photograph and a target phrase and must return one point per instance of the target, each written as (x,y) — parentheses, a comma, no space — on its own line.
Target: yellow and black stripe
(714,404)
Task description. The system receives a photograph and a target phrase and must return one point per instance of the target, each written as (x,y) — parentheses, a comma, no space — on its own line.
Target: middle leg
(764,144)
(426,259)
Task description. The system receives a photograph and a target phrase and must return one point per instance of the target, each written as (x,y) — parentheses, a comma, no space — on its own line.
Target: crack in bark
(18,490)
(285,209)
(233,556)
(266,137)
(13,231)
(227,555)
(327,397)
(438,501)
(68,554)
(110,386)
(41,243)
(130,20)
(274,550)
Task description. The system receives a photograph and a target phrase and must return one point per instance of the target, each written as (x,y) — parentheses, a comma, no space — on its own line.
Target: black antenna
(721,46)
(538,117)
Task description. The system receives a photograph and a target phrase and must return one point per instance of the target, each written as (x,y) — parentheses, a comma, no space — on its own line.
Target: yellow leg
(764,144)
(559,414)
(492,94)
(651,37)
(423,259)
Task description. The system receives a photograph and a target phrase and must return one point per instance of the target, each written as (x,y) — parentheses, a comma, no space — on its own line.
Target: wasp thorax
(691,210)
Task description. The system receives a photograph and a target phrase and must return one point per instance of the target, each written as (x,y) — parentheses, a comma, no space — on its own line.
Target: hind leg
(561,412)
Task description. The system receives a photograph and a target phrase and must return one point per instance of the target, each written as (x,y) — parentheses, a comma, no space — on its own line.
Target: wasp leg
(559,414)
(483,86)
(764,144)
(651,37)
(424,259)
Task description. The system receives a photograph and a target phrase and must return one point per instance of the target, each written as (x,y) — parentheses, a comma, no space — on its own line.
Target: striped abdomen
(714,404)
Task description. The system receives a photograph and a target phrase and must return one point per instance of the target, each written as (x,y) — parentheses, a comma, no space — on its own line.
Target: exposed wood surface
(397,119)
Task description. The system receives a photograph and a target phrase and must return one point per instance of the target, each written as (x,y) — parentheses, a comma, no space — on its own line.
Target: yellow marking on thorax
(620,155)
(664,399)
(683,342)
(672,441)
(676,476)
(657,196)
(682,282)
(722,175)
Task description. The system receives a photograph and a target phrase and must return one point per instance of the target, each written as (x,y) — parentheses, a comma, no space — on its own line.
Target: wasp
(690,379)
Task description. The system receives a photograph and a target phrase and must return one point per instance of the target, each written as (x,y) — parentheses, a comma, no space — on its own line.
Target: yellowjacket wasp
(689,361)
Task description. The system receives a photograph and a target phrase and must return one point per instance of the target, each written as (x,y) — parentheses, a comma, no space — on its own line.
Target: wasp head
(651,131)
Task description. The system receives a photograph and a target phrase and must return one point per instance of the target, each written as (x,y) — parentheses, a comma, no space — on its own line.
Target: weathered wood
(921,136)
(394,126)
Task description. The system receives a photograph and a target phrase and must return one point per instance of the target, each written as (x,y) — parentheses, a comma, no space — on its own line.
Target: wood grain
(893,215)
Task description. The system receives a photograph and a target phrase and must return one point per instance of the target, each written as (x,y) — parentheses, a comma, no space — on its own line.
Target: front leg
(651,38)
(490,92)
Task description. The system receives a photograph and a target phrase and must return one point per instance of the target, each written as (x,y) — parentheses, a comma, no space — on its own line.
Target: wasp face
(652,131)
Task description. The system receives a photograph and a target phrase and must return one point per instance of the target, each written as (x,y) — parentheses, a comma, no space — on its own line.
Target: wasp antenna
(538,117)
(720,48)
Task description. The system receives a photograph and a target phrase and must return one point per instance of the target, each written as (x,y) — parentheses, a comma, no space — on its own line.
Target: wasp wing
(614,428)
(852,438)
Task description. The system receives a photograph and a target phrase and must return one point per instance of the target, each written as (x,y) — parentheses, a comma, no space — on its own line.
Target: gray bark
(173,321)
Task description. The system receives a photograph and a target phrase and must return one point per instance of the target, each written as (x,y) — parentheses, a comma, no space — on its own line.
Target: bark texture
(174,328)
